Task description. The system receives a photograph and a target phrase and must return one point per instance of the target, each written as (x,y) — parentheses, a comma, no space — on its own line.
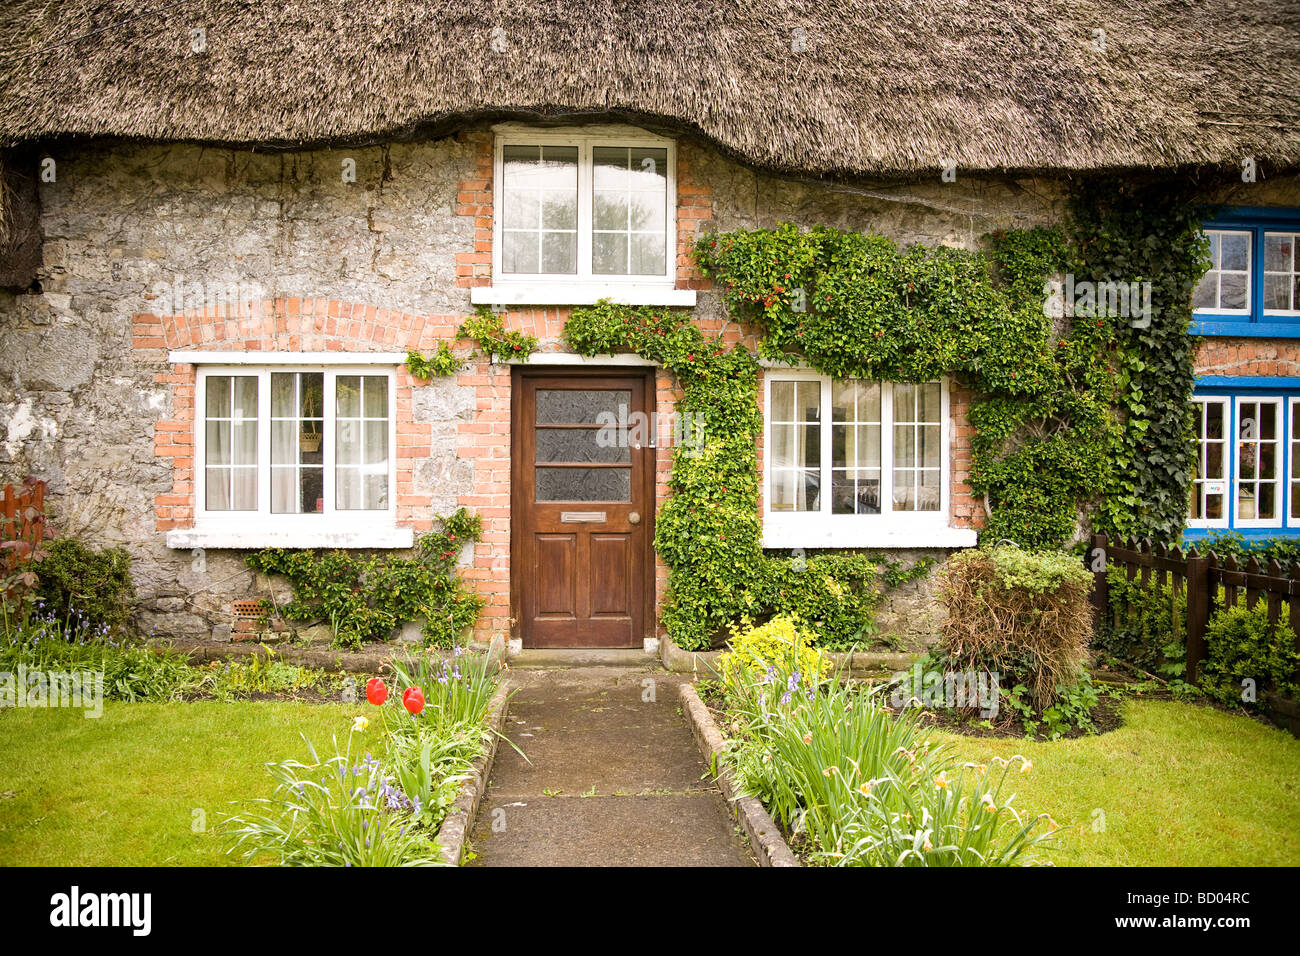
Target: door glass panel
(578,445)
(572,406)
(584,484)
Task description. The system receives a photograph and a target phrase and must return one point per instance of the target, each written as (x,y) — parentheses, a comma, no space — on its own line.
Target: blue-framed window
(1253,284)
(1247,475)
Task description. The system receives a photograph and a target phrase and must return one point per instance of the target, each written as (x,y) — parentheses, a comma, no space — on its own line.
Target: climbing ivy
(708,531)
(858,305)
(489,332)
(1065,416)
(1147,232)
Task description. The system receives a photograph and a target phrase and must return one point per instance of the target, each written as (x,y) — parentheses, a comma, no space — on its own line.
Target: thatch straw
(880,87)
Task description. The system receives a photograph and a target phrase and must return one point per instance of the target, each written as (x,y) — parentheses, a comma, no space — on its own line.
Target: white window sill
(580,293)
(248,537)
(809,535)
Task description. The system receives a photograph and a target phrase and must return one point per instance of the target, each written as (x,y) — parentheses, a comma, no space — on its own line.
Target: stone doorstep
(761,830)
(858,663)
(454,832)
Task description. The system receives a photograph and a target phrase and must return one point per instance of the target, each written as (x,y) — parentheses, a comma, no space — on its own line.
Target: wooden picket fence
(1200,578)
(22,526)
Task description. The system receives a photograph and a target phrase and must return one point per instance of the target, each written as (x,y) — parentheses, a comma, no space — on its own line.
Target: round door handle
(634,517)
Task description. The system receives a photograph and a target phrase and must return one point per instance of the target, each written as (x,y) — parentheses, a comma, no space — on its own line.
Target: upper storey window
(1252,286)
(581,214)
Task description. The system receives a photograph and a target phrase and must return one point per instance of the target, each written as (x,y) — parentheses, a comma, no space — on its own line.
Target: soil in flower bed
(1105,717)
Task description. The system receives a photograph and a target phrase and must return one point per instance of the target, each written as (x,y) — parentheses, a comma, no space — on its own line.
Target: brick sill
(217,538)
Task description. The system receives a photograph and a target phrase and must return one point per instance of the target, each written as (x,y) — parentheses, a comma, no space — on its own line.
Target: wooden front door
(582,507)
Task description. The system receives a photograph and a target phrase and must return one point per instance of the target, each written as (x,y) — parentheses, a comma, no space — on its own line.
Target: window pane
(1207,291)
(540,215)
(629,211)
(1277,253)
(1277,292)
(1232,290)
(376,448)
(1236,251)
(347,398)
(782,402)
(230,439)
(218,389)
(376,396)
(918,454)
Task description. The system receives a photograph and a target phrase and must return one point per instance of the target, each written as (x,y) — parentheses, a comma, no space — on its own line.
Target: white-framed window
(1225,288)
(1211,483)
(298,455)
(852,463)
(1281,273)
(1293,490)
(583,213)
(1258,450)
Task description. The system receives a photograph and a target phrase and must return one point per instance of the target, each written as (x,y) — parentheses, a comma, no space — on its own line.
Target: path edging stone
(453,833)
(761,830)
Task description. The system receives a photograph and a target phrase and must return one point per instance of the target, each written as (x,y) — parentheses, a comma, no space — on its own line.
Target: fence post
(1198,612)
(1100,587)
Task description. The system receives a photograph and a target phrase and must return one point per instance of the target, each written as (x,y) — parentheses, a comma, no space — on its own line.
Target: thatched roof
(881,87)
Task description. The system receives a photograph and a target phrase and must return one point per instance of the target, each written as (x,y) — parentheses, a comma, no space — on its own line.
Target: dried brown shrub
(1024,614)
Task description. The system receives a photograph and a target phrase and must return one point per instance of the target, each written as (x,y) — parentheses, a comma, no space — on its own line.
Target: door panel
(582,508)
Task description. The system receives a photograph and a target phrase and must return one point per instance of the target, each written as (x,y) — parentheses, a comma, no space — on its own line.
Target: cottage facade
(205,352)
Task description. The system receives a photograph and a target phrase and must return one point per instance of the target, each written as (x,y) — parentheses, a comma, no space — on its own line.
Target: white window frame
(1280,457)
(332,527)
(1292,460)
(1264,273)
(583,286)
(1229,451)
(1250,273)
(822,529)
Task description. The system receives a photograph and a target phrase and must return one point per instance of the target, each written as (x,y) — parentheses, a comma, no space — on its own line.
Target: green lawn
(1177,785)
(122,789)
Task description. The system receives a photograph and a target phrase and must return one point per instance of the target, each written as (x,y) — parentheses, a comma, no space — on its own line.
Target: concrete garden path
(614,779)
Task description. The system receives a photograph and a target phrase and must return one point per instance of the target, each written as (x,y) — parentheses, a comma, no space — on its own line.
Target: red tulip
(376,691)
(413,700)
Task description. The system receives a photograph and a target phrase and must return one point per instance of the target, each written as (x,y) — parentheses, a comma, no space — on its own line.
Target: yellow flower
(360,723)
(865,789)
(927,846)
(941,781)
(1027,766)
(981,768)
(989,805)
(807,738)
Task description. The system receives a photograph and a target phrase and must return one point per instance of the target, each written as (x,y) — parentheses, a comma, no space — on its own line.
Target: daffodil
(941,781)
(359,724)
(1027,766)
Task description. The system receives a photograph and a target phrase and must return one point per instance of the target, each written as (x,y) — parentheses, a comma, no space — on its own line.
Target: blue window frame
(1247,477)
(1253,285)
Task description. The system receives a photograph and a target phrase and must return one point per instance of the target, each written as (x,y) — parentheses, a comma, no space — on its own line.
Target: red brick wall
(1241,356)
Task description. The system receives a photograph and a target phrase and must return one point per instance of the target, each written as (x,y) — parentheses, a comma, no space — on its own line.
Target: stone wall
(143,242)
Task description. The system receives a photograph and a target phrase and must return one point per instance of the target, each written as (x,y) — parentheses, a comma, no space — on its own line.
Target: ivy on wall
(859,306)
(1147,232)
(708,532)
(1077,412)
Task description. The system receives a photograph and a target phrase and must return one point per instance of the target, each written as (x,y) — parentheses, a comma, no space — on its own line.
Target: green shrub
(365,597)
(76,580)
(1022,614)
(1242,645)
(1146,625)
(780,647)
